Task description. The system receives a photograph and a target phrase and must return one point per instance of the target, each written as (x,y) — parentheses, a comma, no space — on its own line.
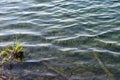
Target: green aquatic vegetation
(13,53)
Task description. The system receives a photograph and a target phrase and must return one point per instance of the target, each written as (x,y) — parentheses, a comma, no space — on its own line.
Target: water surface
(71,30)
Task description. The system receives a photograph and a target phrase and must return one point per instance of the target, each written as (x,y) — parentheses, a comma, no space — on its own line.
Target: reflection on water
(71,30)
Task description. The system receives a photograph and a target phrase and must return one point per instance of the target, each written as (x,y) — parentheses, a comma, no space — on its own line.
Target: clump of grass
(12,54)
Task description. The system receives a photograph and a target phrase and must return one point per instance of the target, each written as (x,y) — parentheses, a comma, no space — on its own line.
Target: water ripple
(12,32)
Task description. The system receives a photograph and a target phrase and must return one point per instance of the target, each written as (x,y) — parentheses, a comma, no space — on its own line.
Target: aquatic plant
(12,53)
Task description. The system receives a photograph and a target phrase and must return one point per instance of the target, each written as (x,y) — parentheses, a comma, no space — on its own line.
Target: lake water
(82,35)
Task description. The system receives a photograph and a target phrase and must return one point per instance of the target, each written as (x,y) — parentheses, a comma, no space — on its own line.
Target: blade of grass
(110,75)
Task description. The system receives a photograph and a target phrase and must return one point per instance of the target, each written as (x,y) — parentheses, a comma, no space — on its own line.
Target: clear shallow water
(71,30)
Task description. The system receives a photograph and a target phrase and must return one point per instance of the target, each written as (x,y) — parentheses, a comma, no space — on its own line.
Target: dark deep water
(82,35)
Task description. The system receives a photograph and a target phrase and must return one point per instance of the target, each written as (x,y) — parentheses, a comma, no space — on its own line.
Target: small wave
(38,45)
